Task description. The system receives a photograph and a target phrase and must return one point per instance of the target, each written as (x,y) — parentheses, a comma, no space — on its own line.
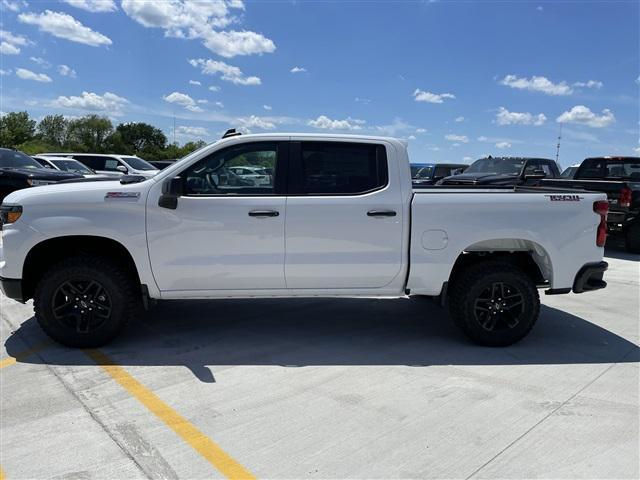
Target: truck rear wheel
(85,301)
(494,303)
(632,238)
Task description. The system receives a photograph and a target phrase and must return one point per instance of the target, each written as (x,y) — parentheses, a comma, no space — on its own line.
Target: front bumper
(12,288)
(589,277)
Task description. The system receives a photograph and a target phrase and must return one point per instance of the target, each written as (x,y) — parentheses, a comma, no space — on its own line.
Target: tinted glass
(95,163)
(43,162)
(507,166)
(71,166)
(138,163)
(608,168)
(15,159)
(342,168)
(421,172)
(220,172)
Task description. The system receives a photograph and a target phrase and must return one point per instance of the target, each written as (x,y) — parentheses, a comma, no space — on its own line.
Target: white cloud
(505,117)
(7,49)
(194,82)
(219,104)
(503,145)
(25,74)
(40,61)
(428,97)
(584,116)
(64,26)
(537,84)
(466,159)
(183,100)
(590,84)
(254,121)
(214,88)
(191,19)
(457,138)
(637,149)
(5,72)
(202,101)
(227,72)
(364,101)
(109,103)
(459,119)
(397,128)
(66,71)
(267,107)
(187,131)
(325,123)
(298,70)
(10,43)
(482,138)
(95,6)
(411,137)
(14,6)
(638,80)
(421,130)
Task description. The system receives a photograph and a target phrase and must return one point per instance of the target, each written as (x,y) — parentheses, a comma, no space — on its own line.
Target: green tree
(53,130)
(89,133)
(16,128)
(139,137)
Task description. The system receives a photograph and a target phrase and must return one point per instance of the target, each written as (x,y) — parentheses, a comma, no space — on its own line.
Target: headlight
(36,183)
(10,213)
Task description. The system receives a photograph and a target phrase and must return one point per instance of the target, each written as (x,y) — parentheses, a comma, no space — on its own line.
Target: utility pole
(558,145)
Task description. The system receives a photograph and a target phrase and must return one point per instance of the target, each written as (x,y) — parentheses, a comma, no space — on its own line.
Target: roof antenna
(558,145)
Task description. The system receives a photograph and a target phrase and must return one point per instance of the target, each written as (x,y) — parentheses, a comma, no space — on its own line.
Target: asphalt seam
(82,404)
(533,427)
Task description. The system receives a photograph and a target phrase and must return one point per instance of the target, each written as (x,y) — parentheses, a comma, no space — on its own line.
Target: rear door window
(338,168)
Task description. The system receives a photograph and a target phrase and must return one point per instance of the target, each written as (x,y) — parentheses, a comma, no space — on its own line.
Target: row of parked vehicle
(618,177)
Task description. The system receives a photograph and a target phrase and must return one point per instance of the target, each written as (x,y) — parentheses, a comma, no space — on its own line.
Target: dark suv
(18,171)
(505,171)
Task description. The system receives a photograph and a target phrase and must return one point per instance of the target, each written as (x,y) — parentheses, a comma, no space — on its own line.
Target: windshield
(568,173)
(72,166)
(499,166)
(138,163)
(418,171)
(624,169)
(15,159)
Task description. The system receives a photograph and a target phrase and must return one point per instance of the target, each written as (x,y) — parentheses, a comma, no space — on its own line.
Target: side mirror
(171,190)
(122,168)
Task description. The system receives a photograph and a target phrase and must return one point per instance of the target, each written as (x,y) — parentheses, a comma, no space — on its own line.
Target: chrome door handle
(263,213)
(381,213)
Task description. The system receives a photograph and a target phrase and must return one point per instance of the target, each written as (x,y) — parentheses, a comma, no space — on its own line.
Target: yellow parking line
(22,355)
(206,447)
(2,475)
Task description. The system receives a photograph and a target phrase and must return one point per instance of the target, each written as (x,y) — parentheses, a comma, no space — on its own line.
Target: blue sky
(457,79)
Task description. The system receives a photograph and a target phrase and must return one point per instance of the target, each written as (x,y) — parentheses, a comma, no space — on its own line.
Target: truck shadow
(323,332)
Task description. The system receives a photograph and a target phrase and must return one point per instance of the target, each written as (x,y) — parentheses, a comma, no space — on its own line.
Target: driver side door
(226,233)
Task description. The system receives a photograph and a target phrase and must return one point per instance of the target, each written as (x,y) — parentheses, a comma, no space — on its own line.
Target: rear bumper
(12,288)
(589,277)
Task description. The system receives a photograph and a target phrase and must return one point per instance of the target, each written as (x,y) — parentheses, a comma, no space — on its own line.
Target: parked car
(162,164)
(257,175)
(357,230)
(619,178)
(112,165)
(569,172)
(65,165)
(505,171)
(430,173)
(18,170)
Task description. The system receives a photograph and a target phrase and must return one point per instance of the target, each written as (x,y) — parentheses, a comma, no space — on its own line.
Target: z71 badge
(564,198)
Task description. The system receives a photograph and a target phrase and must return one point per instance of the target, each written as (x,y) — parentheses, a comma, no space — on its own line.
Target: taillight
(601,208)
(625,197)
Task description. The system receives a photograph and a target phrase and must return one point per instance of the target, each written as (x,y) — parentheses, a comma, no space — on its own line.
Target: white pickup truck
(338,218)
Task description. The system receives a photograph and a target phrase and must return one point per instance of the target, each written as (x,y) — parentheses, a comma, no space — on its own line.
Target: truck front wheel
(85,301)
(494,303)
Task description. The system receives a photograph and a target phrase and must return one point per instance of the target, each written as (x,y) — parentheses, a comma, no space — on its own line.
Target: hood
(77,193)
(481,179)
(40,173)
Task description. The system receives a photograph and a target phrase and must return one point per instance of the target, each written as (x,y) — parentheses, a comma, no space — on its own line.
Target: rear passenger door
(344,218)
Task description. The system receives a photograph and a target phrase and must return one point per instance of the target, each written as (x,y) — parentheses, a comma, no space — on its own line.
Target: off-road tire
(118,286)
(632,238)
(466,294)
